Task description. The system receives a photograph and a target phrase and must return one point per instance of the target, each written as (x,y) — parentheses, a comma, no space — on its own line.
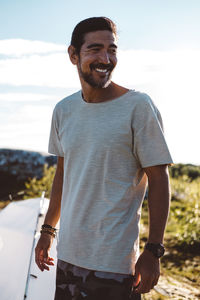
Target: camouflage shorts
(75,283)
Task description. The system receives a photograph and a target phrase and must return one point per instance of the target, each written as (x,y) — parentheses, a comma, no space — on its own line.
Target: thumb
(137,278)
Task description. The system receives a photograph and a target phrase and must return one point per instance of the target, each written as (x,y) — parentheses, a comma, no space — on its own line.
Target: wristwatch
(157,250)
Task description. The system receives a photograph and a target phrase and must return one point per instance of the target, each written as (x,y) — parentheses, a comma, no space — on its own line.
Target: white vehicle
(20,278)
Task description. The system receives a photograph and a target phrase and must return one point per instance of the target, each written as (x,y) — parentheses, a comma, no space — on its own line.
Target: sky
(159,54)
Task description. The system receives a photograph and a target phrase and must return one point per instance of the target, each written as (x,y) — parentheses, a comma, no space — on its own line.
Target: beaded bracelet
(49,227)
(48,232)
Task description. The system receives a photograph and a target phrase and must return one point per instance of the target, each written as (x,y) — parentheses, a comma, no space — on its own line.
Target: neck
(95,95)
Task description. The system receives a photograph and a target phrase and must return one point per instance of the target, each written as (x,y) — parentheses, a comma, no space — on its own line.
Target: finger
(145,285)
(141,289)
(51,258)
(40,259)
(137,278)
(46,267)
(136,286)
(50,262)
(44,262)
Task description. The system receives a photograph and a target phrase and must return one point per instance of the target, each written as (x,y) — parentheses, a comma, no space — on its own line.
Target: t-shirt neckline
(104,102)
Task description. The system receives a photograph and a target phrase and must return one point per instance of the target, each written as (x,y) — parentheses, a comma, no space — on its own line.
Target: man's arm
(147,269)
(42,258)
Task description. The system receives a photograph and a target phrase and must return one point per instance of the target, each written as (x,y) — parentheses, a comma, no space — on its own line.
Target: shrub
(183,227)
(184,220)
(35,187)
(189,170)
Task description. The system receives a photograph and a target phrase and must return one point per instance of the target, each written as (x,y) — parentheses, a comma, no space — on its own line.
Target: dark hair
(90,25)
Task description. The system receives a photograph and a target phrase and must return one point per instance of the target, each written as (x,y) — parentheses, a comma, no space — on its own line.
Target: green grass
(182,238)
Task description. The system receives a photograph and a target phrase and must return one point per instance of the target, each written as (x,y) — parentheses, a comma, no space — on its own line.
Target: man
(109,141)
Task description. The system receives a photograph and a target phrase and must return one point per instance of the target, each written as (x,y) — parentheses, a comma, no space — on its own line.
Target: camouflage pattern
(76,283)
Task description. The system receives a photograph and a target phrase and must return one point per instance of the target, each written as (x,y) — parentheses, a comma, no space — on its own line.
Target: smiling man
(109,142)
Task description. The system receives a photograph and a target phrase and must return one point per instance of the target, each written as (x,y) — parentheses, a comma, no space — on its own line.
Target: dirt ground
(170,288)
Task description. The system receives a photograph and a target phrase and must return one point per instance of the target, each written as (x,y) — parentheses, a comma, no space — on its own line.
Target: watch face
(158,250)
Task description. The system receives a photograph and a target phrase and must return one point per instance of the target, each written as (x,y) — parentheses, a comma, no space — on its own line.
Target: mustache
(109,66)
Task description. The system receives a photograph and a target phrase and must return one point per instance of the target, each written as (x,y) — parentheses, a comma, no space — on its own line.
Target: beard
(103,82)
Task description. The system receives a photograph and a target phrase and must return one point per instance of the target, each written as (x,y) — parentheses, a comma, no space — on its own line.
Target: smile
(101,70)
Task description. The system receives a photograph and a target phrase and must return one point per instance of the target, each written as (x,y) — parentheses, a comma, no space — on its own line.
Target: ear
(73,55)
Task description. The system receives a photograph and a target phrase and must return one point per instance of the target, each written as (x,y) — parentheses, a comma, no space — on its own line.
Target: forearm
(53,213)
(158,204)
(147,268)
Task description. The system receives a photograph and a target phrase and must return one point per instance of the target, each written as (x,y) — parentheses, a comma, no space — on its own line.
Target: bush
(184,220)
(183,227)
(189,170)
(35,187)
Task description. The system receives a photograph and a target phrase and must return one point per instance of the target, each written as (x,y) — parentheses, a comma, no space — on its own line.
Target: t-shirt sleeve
(55,146)
(149,144)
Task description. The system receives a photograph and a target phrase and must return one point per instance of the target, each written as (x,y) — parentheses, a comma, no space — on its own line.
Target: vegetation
(179,170)
(35,187)
(181,264)
(184,219)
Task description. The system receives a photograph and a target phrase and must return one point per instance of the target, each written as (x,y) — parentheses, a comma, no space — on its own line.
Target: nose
(104,57)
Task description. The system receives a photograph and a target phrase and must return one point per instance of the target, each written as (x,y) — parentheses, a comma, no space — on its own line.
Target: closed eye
(95,49)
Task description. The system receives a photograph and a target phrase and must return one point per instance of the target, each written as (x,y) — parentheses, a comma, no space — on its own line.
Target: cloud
(25,97)
(51,70)
(27,127)
(36,63)
(21,47)
(146,66)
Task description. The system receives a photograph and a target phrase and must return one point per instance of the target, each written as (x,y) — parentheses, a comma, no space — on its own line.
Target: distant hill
(189,170)
(16,166)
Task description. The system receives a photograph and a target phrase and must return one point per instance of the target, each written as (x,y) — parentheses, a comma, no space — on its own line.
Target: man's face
(97,58)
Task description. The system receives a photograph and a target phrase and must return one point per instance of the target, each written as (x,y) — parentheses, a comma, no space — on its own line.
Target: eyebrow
(100,45)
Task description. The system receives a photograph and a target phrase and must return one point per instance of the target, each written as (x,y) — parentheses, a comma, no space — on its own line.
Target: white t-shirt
(105,147)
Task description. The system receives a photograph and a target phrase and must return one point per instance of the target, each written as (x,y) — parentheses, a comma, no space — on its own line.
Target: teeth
(101,70)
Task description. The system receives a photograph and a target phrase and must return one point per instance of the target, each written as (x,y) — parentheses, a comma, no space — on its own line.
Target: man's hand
(147,272)
(42,258)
